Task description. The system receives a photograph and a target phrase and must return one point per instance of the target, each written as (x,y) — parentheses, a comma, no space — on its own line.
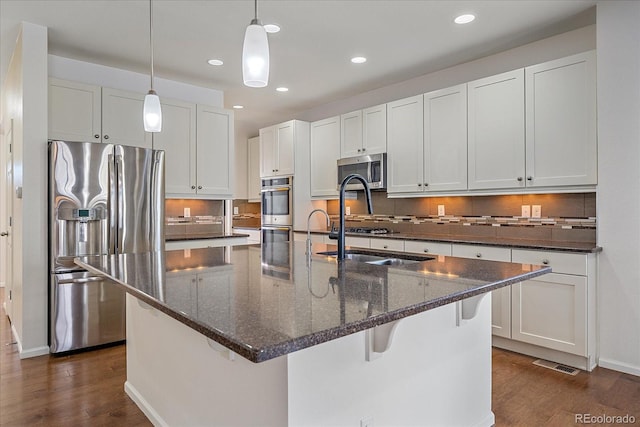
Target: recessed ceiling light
(238,107)
(215,62)
(464,19)
(359,60)
(271,28)
(282,89)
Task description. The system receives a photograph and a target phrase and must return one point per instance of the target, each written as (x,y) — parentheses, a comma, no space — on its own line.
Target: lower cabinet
(500,298)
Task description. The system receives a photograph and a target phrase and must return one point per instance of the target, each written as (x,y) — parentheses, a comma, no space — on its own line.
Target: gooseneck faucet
(309,231)
(367,193)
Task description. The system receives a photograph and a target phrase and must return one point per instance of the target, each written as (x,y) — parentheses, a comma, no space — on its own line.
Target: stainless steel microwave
(372,167)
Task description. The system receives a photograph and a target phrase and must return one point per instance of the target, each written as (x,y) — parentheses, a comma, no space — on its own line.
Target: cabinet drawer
(559,262)
(481,252)
(361,242)
(433,248)
(387,244)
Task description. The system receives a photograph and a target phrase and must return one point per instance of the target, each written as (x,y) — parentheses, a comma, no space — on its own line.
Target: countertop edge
(539,245)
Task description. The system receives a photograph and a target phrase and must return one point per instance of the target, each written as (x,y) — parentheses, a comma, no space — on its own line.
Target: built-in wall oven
(277,201)
(277,226)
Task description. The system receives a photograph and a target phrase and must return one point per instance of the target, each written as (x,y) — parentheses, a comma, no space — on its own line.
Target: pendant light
(152,113)
(255,54)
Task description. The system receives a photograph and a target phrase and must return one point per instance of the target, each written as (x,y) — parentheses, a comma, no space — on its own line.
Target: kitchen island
(261,335)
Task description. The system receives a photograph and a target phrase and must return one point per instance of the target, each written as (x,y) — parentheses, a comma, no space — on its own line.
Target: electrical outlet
(347,210)
(536,211)
(187,253)
(441,210)
(187,212)
(526,211)
(235,210)
(366,422)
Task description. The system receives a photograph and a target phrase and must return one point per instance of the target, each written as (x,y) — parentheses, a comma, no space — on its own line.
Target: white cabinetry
(561,122)
(551,311)
(253,169)
(496,131)
(178,140)
(500,298)
(364,132)
(325,150)
(277,150)
(214,136)
(445,139)
(405,145)
(386,244)
(81,112)
(429,248)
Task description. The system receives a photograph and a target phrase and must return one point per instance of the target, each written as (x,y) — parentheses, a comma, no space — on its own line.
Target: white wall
(618,196)
(565,44)
(24,100)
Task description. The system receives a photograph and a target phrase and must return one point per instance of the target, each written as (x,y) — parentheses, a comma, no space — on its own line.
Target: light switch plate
(441,210)
(526,211)
(187,212)
(536,211)
(347,210)
(235,210)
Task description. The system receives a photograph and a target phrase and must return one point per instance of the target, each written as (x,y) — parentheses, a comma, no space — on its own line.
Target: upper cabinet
(253,169)
(496,131)
(405,153)
(561,147)
(277,150)
(325,150)
(364,132)
(81,112)
(214,151)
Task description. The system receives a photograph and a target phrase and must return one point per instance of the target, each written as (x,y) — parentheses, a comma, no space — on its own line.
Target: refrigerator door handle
(119,200)
(83,280)
(112,205)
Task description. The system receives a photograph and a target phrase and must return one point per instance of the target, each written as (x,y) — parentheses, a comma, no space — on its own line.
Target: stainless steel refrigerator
(103,199)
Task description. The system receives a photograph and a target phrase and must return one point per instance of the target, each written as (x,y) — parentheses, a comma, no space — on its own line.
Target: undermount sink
(391,260)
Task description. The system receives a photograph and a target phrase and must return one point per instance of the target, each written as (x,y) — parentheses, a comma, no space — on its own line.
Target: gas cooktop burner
(366,230)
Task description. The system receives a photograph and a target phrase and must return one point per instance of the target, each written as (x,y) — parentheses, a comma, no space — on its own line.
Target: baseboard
(619,366)
(489,421)
(144,406)
(30,352)
(580,362)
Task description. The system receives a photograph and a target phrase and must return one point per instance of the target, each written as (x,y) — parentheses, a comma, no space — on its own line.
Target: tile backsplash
(205,218)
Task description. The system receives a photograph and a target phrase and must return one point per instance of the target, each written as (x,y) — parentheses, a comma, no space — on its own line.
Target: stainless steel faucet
(367,193)
(309,231)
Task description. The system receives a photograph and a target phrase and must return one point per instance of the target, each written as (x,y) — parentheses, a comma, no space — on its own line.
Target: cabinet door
(122,119)
(405,145)
(178,140)
(386,244)
(429,248)
(214,153)
(75,111)
(445,139)
(374,129)
(496,131)
(253,168)
(351,134)
(500,298)
(285,148)
(325,150)
(268,151)
(550,311)
(561,122)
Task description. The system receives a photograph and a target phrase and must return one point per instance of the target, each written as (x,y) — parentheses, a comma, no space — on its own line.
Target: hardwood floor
(86,389)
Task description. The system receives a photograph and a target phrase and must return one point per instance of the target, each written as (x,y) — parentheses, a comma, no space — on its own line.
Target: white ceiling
(401,39)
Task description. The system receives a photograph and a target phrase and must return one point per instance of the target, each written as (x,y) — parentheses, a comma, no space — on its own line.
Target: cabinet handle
(425,251)
(545,261)
(520,179)
(385,247)
(193,187)
(106,137)
(199,187)
(478,255)
(529,178)
(426,184)
(419,185)
(359,150)
(364,149)
(96,136)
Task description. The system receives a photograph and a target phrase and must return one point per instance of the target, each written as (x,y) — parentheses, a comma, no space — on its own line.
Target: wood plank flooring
(87,389)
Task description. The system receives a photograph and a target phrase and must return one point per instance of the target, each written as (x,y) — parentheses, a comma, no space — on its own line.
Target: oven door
(277,205)
(277,251)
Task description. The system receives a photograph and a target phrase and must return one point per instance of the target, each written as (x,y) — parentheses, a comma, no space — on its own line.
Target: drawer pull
(478,255)
(425,250)
(385,246)
(545,261)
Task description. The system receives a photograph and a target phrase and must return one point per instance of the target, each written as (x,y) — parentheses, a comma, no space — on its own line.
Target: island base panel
(434,373)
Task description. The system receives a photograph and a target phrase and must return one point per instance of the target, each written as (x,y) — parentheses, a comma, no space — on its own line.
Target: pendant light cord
(256,8)
(151,38)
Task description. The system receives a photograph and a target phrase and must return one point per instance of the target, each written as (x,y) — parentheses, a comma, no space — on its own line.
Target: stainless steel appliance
(277,201)
(372,167)
(103,199)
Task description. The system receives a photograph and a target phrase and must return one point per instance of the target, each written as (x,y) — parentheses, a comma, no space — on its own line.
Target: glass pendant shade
(255,56)
(152,113)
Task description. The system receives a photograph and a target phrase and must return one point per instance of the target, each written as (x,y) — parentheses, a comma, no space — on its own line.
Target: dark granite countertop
(267,301)
(203,236)
(547,245)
